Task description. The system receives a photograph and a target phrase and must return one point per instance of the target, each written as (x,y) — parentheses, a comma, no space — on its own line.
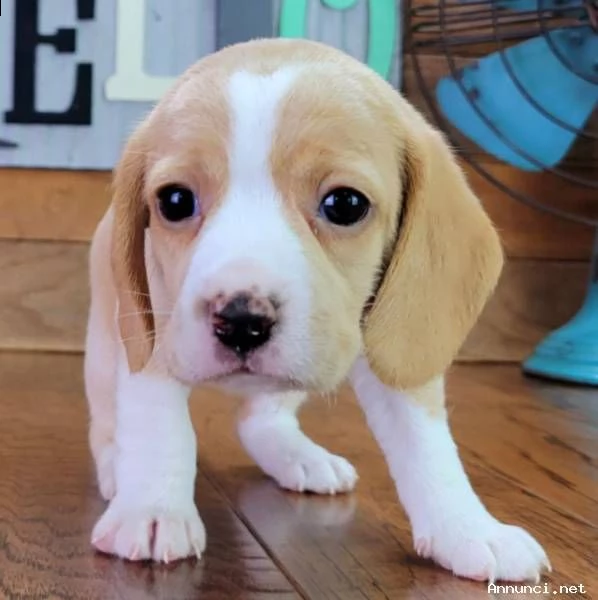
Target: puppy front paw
(138,532)
(294,461)
(306,467)
(316,470)
(485,550)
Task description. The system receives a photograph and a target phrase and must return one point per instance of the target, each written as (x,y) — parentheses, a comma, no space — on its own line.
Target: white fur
(141,435)
(270,433)
(146,466)
(449,522)
(248,244)
(153,514)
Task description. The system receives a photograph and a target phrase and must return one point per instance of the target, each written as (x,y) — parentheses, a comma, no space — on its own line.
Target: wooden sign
(77,75)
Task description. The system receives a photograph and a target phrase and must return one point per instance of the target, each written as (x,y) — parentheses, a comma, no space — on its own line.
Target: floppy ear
(444,265)
(135,316)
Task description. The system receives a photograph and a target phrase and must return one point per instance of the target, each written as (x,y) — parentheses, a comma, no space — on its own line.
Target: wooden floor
(531,450)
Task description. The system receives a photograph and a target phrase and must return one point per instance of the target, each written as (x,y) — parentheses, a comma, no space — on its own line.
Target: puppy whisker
(154,335)
(330,399)
(161,313)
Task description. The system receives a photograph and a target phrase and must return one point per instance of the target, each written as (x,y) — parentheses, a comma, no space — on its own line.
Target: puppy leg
(153,514)
(100,359)
(450,524)
(270,432)
(100,389)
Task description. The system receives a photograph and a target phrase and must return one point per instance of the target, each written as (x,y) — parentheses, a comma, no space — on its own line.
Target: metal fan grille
(472,29)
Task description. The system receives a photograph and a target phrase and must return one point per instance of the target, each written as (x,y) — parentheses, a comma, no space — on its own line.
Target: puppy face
(274,175)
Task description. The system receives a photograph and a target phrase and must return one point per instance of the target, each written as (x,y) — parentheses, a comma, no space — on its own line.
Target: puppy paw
(316,470)
(485,551)
(142,532)
(296,463)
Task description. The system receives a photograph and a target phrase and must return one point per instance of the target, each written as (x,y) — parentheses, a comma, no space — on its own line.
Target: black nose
(243,327)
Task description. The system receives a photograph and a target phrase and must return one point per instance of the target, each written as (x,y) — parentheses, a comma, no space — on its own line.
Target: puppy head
(300,212)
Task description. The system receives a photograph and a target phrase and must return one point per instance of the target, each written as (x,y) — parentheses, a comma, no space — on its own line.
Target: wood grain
(42,204)
(49,503)
(530,447)
(532,298)
(529,233)
(529,459)
(44,299)
(44,295)
(561,467)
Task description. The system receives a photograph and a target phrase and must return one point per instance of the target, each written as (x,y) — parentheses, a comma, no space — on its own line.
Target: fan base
(562,370)
(569,353)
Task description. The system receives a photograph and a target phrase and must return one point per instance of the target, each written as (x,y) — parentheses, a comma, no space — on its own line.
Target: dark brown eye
(177,203)
(344,207)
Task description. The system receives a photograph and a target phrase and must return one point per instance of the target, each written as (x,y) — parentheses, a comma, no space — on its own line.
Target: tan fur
(444,266)
(322,144)
(339,125)
(135,316)
(157,154)
(402,287)
(431,397)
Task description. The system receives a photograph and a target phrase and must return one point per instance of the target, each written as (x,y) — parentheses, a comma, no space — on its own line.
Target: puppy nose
(244,324)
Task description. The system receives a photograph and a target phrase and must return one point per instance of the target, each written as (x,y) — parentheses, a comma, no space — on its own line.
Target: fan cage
(457,29)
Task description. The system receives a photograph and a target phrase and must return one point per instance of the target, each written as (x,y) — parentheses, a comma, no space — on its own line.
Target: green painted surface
(293,19)
(381,31)
(339,4)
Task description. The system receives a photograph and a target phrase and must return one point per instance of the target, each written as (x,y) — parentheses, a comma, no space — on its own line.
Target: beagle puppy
(284,220)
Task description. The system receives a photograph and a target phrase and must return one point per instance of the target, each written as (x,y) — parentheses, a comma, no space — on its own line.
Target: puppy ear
(443,266)
(131,215)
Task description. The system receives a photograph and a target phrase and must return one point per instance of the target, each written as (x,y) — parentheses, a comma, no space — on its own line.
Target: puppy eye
(177,203)
(344,207)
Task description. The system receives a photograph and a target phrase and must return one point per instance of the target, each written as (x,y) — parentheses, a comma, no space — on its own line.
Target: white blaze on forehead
(251,224)
(248,243)
(254,103)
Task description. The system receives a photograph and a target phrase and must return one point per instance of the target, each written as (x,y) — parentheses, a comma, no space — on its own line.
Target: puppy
(284,220)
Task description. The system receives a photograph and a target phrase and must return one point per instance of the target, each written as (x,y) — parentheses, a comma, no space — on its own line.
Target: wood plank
(52,205)
(44,299)
(529,233)
(552,444)
(44,295)
(517,438)
(49,503)
(532,299)
(359,546)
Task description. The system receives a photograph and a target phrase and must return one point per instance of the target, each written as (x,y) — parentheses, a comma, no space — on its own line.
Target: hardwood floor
(531,449)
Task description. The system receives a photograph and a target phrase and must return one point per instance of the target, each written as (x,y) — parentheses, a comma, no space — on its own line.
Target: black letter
(27,38)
